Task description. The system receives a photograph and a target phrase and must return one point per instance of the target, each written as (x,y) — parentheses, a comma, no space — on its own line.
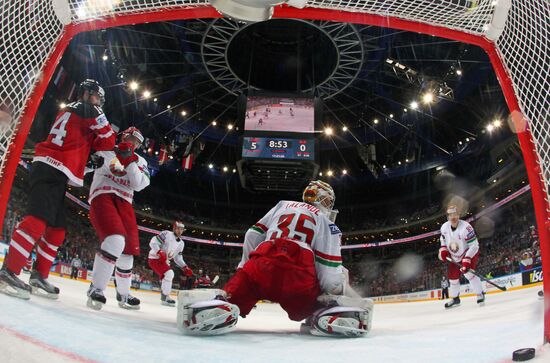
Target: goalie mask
(321,195)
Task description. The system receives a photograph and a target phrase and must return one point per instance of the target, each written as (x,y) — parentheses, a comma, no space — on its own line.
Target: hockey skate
(166,300)
(481,299)
(12,286)
(453,303)
(128,302)
(96,299)
(41,287)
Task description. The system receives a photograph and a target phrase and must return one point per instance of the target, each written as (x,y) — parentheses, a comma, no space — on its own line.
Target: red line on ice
(46,346)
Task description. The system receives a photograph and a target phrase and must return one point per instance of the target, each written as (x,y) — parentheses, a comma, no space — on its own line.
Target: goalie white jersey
(311,229)
(170,244)
(460,242)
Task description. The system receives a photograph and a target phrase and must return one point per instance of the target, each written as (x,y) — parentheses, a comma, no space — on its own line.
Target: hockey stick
(502,288)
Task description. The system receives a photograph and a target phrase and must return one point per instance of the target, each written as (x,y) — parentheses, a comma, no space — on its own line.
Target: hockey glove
(466,264)
(187,271)
(443,254)
(125,153)
(162,256)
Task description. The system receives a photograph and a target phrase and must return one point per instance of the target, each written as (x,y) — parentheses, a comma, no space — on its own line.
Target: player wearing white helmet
(165,247)
(290,256)
(122,173)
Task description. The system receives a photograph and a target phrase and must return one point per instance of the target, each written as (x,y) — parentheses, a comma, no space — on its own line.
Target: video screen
(284,114)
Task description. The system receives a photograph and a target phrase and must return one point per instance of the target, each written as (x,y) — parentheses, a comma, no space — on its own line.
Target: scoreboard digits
(278,148)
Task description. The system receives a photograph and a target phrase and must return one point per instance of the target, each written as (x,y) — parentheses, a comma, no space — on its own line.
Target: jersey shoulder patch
(334,229)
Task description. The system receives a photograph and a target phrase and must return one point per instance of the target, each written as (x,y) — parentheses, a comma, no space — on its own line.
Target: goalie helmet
(133,131)
(92,86)
(321,195)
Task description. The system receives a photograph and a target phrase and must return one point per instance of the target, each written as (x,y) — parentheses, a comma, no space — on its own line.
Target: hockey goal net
(514,33)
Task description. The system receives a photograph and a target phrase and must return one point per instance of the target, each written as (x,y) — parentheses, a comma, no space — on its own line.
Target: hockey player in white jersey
(459,243)
(165,247)
(123,172)
(291,256)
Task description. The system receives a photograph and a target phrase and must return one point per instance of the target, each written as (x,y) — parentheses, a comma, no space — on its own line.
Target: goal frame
(538,190)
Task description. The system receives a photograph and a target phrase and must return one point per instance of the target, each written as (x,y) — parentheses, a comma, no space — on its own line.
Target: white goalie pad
(205,317)
(341,321)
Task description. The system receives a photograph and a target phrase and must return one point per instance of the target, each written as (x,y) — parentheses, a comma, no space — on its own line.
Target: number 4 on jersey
(58,129)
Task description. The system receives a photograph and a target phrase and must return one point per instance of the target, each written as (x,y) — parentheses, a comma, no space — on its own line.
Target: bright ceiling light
(210,166)
(427,97)
(490,127)
(105,57)
(345,128)
(391,115)
(230,127)
(329,173)
(183,112)
(214,123)
(459,72)
(375,121)
(344,171)
(62,105)
(225,168)
(134,85)
(146,94)
(497,123)
(414,105)
(328,131)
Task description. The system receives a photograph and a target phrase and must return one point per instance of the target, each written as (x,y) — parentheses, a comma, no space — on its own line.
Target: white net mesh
(29,31)
(524,47)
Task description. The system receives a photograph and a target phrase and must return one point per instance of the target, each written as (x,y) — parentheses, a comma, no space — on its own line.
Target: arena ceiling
(373,81)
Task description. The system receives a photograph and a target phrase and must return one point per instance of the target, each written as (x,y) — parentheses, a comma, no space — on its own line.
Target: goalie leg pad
(211,317)
(341,321)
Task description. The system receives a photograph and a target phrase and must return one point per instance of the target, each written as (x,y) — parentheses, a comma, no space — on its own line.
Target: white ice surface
(405,332)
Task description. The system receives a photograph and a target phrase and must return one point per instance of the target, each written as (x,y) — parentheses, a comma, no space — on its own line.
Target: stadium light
(330,173)
(146,94)
(345,128)
(490,127)
(183,112)
(344,171)
(134,85)
(405,110)
(427,97)
(210,166)
(459,72)
(328,131)
(321,174)
(62,105)
(225,169)
(155,99)
(234,170)
(414,105)
(230,127)
(497,123)
(214,123)
(391,115)
(375,121)
(105,57)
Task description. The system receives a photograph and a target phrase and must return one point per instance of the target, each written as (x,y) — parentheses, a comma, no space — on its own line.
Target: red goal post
(514,33)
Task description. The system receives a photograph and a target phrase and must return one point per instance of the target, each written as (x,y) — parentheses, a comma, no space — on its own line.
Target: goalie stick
(502,288)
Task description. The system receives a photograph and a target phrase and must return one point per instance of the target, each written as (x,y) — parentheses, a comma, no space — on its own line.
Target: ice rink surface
(41,330)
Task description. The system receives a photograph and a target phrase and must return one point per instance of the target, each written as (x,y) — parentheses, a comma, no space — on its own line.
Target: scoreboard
(277,148)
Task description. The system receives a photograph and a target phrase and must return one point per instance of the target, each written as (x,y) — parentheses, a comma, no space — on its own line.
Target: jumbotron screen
(278,148)
(283,114)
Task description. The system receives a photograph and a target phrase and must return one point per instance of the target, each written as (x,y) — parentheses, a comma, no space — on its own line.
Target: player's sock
(46,250)
(454,288)
(123,273)
(105,259)
(166,284)
(28,231)
(475,282)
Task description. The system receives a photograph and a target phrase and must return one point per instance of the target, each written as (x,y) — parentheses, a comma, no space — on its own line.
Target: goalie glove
(125,153)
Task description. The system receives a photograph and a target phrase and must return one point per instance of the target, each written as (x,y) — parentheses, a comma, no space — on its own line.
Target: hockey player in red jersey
(123,172)
(58,161)
(291,256)
(165,247)
(459,244)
